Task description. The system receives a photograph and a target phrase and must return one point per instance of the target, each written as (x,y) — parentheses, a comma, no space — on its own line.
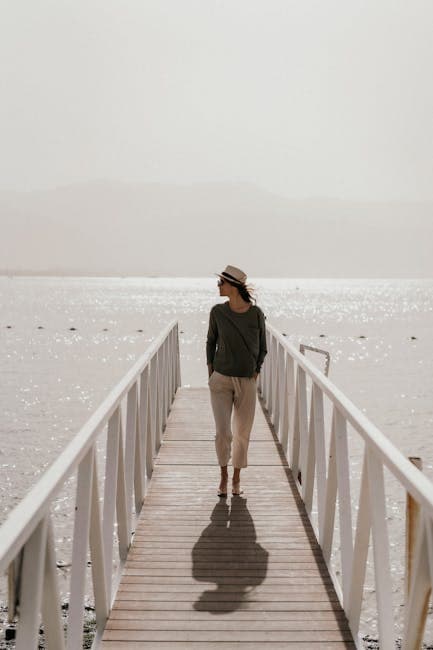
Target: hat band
(230,277)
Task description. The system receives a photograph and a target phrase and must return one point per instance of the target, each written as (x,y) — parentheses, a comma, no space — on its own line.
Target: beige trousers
(237,394)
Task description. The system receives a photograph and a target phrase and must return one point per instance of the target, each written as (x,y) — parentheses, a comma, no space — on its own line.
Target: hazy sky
(305,98)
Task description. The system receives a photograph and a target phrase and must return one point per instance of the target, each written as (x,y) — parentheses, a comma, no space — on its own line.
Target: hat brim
(225,277)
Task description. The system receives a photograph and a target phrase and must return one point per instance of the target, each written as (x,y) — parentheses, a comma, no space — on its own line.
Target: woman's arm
(262,341)
(211,341)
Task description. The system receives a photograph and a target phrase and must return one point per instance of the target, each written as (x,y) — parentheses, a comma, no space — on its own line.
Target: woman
(235,349)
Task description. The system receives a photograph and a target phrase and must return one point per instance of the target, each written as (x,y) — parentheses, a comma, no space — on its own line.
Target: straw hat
(233,274)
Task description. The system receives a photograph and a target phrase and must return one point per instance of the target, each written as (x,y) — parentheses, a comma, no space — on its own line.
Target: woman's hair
(246,291)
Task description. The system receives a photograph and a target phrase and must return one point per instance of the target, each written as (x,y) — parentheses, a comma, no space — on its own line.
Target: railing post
(172,366)
(140,440)
(147,418)
(271,383)
(110,486)
(344,502)
(412,525)
(319,440)
(285,397)
(275,387)
(130,437)
(173,363)
(310,461)
(51,611)
(31,591)
(153,421)
(281,389)
(295,437)
(123,532)
(291,403)
(139,471)
(163,384)
(360,552)
(330,501)
(416,605)
(382,571)
(178,375)
(102,606)
(268,361)
(158,401)
(302,420)
(167,379)
(263,373)
(79,551)
(418,575)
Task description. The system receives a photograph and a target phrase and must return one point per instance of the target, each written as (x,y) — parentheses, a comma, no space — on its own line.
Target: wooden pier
(242,572)
(262,570)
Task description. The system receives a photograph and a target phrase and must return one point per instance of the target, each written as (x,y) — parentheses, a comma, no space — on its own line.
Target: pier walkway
(242,572)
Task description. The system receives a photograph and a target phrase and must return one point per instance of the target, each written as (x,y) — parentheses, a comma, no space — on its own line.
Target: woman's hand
(256,374)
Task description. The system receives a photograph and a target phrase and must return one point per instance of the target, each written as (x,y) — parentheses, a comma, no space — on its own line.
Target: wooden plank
(230,580)
(224,635)
(270,625)
(230,645)
(217,573)
(218,554)
(236,616)
(273,592)
(229,605)
(229,565)
(244,616)
(287,545)
(206,573)
(224,596)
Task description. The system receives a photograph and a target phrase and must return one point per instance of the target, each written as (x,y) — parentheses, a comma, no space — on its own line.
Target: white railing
(148,389)
(293,391)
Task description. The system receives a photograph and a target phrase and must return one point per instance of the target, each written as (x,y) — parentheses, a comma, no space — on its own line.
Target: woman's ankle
(223,482)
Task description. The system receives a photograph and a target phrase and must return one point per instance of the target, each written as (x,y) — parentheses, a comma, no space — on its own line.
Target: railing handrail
(416,483)
(24,518)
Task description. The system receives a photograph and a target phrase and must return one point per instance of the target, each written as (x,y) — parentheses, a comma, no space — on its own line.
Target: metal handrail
(149,388)
(303,347)
(322,467)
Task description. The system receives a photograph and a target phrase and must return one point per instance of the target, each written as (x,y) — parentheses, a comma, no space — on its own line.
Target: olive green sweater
(236,343)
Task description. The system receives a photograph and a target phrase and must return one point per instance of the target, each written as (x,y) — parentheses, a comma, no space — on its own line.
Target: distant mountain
(109,228)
